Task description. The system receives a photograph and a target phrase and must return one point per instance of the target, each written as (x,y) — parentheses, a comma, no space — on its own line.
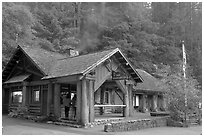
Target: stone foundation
(135,124)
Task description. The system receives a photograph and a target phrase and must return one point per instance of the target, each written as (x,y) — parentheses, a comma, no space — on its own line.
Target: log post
(154,105)
(78,109)
(91,101)
(101,100)
(143,103)
(163,103)
(57,107)
(4,109)
(24,92)
(84,104)
(3,95)
(130,100)
(10,96)
(126,102)
(49,98)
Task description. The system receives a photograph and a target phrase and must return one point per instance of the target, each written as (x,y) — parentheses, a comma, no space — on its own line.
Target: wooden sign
(118,76)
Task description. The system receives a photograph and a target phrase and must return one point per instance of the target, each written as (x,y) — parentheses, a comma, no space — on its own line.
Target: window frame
(108,97)
(16,89)
(35,89)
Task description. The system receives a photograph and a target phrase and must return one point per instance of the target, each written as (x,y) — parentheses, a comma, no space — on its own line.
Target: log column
(163,103)
(143,103)
(130,100)
(4,109)
(84,104)
(126,102)
(78,109)
(49,98)
(154,105)
(3,95)
(24,92)
(57,107)
(91,101)
(101,99)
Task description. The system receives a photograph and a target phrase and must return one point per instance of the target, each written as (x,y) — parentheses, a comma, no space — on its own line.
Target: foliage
(148,33)
(19,112)
(173,82)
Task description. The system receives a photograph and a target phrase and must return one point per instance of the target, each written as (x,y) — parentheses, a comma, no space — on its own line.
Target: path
(14,126)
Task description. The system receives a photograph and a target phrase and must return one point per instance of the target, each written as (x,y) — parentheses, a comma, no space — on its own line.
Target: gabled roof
(43,59)
(16,79)
(149,84)
(75,65)
(54,65)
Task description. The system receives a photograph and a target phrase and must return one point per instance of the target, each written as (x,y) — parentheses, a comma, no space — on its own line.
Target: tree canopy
(148,33)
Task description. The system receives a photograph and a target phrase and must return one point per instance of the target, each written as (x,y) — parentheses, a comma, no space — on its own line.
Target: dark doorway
(5,101)
(68,91)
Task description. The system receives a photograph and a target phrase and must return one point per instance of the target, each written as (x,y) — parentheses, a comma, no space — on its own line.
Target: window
(136,100)
(106,98)
(17,97)
(35,94)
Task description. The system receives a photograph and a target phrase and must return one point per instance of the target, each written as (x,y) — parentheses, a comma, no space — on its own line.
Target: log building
(104,82)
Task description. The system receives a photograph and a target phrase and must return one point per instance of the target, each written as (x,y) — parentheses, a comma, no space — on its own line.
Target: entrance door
(68,91)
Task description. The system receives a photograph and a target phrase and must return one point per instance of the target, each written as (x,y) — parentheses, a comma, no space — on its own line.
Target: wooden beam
(30,71)
(90,77)
(32,83)
(12,85)
(100,61)
(65,79)
(108,75)
(119,95)
(109,105)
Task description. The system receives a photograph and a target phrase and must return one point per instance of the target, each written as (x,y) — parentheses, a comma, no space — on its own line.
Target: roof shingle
(57,65)
(75,65)
(150,83)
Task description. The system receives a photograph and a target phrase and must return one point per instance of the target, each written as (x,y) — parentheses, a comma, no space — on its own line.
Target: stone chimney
(72,52)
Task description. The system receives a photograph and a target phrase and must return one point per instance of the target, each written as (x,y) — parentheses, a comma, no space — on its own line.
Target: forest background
(149,34)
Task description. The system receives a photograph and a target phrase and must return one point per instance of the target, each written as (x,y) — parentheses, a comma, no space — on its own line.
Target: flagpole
(184,79)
